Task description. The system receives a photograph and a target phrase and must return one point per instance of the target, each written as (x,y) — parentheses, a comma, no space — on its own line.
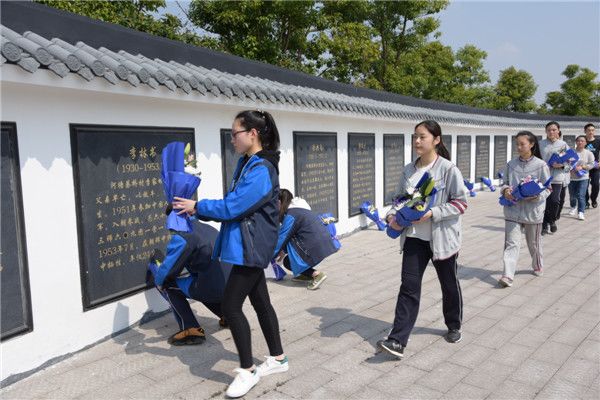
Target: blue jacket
(306,240)
(193,251)
(249,212)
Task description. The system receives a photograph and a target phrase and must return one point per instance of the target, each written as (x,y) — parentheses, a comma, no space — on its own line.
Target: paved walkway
(538,339)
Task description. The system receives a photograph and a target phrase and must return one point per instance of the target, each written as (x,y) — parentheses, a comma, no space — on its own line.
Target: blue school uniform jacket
(249,213)
(305,239)
(193,251)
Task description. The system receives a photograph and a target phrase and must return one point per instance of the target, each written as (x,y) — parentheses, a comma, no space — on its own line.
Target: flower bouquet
(470,187)
(566,157)
(371,212)
(527,187)
(328,220)
(488,182)
(276,272)
(414,204)
(177,183)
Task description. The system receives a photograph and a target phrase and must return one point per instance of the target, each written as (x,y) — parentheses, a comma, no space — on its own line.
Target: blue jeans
(577,194)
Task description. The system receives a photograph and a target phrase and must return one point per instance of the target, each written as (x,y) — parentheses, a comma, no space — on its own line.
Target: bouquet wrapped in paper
(414,204)
(177,182)
(488,182)
(568,158)
(470,187)
(275,271)
(527,187)
(329,221)
(371,212)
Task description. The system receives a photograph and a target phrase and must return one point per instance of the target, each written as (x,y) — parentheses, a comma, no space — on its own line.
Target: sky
(541,37)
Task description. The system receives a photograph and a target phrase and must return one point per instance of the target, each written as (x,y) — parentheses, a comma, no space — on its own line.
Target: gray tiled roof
(33,52)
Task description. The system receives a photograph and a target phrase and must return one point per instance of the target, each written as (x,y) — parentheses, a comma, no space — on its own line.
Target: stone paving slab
(538,339)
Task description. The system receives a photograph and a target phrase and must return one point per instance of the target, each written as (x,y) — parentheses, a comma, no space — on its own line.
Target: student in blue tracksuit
(205,282)
(249,216)
(303,240)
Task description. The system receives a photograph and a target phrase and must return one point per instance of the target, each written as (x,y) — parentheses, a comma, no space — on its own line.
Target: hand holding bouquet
(528,187)
(566,158)
(414,204)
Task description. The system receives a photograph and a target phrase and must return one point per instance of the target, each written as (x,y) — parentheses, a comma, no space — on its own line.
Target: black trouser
(561,202)
(287,264)
(182,310)
(416,255)
(552,205)
(595,184)
(250,282)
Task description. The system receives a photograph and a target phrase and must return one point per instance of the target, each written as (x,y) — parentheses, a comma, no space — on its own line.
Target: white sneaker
(573,212)
(272,366)
(580,216)
(243,382)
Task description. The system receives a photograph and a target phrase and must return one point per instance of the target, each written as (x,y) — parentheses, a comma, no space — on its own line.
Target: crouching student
(303,240)
(526,215)
(205,282)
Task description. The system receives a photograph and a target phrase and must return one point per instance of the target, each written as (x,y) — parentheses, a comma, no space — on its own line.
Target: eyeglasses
(234,134)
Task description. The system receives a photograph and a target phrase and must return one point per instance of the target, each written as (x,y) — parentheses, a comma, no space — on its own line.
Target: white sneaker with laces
(580,216)
(573,212)
(272,366)
(243,382)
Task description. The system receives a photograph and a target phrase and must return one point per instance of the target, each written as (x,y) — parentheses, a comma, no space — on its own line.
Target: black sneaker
(587,206)
(391,346)
(595,204)
(546,231)
(453,336)
(553,228)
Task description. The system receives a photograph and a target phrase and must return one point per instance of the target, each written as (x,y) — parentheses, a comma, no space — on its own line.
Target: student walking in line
(526,215)
(560,174)
(579,178)
(249,216)
(436,237)
(303,240)
(593,145)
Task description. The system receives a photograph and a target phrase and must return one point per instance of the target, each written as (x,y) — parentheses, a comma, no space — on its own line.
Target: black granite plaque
(229,159)
(393,164)
(570,140)
(447,140)
(500,154)
(15,299)
(482,157)
(463,155)
(120,205)
(315,170)
(361,171)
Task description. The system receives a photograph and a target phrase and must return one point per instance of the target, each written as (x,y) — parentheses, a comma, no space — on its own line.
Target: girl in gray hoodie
(526,215)
(436,237)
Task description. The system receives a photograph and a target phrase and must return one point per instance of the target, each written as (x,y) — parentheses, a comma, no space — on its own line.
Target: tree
(276,32)
(579,94)
(514,91)
(134,14)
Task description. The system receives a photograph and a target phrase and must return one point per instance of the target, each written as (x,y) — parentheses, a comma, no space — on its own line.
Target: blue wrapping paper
(177,183)
(373,214)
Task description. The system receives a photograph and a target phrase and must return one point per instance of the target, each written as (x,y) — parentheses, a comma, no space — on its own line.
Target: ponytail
(264,124)
(436,130)
(285,199)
